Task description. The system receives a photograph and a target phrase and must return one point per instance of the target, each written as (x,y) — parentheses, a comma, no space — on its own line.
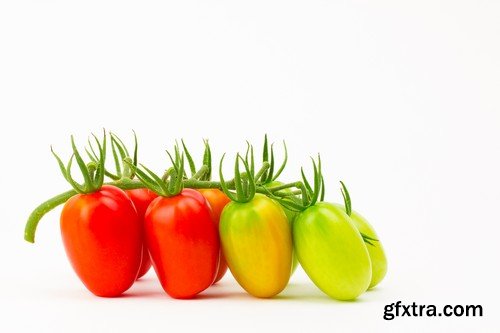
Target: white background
(401,99)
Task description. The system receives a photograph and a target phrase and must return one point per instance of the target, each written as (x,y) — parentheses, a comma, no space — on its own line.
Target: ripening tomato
(141,198)
(256,241)
(291,215)
(183,243)
(102,236)
(217,201)
(376,251)
(331,251)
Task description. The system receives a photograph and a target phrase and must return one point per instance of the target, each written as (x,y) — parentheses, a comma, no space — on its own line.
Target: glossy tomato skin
(217,201)
(256,241)
(331,251)
(141,198)
(291,215)
(102,236)
(183,243)
(376,251)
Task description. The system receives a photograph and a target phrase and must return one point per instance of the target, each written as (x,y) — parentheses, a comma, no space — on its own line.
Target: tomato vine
(129,174)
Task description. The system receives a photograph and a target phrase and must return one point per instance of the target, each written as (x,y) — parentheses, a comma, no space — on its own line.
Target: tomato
(102,236)
(217,201)
(291,215)
(183,243)
(257,244)
(141,198)
(331,251)
(376,251)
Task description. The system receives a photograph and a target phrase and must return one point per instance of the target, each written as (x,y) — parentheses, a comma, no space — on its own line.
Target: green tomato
(376,251)
(331,251)
(291,215)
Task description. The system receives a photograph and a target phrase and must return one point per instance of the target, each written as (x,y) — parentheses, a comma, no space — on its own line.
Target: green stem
(127,184)
(287,193)
(127,171)
(284,186)
(47,206)
(265,167)
(278,190)
(200,173)
(92,169)
(167,174)
(199,184)
(41,210)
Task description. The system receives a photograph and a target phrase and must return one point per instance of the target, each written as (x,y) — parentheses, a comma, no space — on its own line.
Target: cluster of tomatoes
(191,229)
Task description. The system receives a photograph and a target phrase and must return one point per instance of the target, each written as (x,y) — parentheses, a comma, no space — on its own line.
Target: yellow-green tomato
(376,251)
(291,215)
(256,240)
(331,251)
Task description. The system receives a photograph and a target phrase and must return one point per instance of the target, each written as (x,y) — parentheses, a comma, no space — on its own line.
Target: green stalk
(47,206)
(265,167)
(200,173)
(41,210)
(284,186)
(127,184)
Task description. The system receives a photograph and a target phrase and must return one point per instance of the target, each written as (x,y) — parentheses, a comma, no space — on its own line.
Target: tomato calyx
(93,172)
(268,175)
(244,184)
(120,155)
(348,209)
(171,184)
(309,195)
(205,172)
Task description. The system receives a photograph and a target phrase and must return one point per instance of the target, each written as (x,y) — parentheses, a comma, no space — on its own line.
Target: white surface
(412,92)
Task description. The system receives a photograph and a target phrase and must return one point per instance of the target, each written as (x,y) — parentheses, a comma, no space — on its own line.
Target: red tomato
(217,201)
(141,198)
(103,237)
(183,243)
